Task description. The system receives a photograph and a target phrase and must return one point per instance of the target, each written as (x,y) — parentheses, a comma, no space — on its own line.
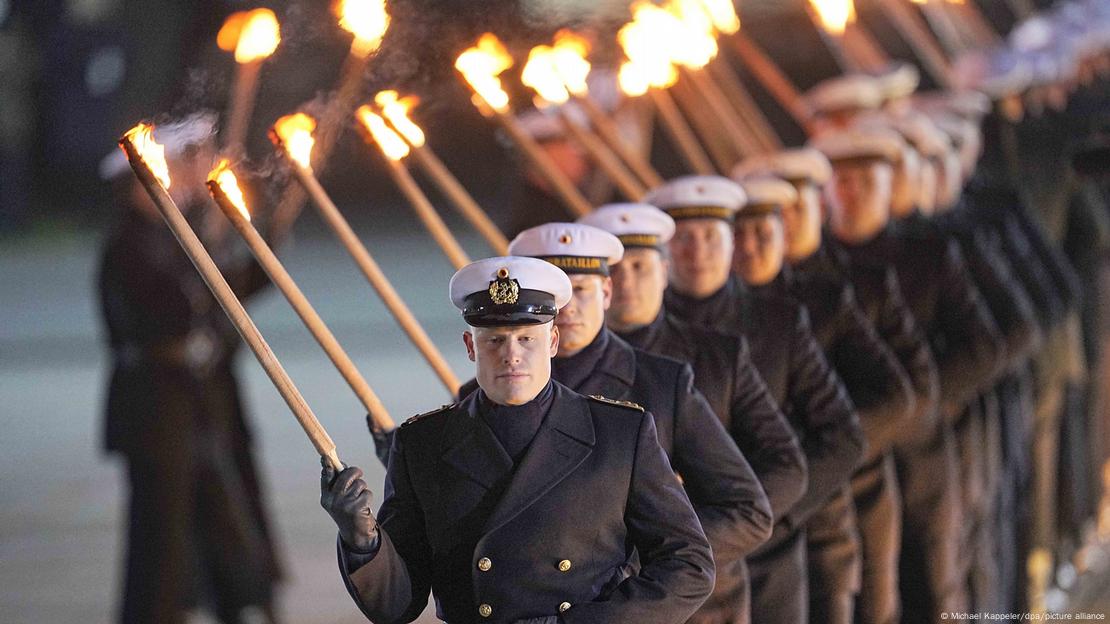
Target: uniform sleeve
(393,585)
(765,437)
(832,437)
(876,382)
(897,327)
(676,573)
(723,489)
(965,340)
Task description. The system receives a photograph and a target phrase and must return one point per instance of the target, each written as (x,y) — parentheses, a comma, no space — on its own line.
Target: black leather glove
(383,441)
(346,498)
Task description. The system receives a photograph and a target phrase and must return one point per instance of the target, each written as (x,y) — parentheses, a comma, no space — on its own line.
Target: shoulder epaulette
(442,409)
(628,404)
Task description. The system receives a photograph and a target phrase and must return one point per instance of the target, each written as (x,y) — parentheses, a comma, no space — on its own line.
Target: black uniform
(197,522)
(965,345)
(725,374)
(548,535)
(881,392)
(817,405)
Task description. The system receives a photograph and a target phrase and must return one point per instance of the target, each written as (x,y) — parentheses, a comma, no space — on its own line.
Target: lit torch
(252,36)
(147,159)
(292,135)
(913,28)
(395,110)
(480,66)
(852,47)
(542,74)
(569,52)
(394,148)
(225,190)
(649,71)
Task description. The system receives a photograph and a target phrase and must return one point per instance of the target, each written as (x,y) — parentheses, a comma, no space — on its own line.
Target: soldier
(484,499)
(197,531)
(723,372)
(592,360)
(787,355)
(964,342)
(876,381)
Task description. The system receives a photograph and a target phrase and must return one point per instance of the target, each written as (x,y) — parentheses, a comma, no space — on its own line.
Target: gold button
(484,564)
(485,610)
(564,565)
(564,606)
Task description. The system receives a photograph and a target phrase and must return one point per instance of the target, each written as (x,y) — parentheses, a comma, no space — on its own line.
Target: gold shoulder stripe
(607,401)
(442,409)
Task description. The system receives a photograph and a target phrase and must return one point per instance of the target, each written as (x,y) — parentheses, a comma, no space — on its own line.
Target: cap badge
(504,291)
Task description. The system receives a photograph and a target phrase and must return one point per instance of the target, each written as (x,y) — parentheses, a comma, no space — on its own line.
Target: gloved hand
(383,441)
(346,498)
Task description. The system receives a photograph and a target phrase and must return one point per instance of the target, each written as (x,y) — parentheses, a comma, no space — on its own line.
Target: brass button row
(485,610)
(484,564)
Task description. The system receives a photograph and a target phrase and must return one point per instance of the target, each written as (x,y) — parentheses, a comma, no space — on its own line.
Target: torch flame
(396,110)
(835,15)
(152,152)
(295,132)
(569,56)
(224,177)
(723,14)
(540,74)
(367,20)
(649,63)
(481,65)
(254,35)
(393,146)
(692,24)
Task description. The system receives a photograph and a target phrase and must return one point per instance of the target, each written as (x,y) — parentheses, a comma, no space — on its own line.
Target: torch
(147,159)
(367,21)
(771,76)
(224,188)
(850,44)
(394,148)
(252,36)
(911,26)
(542,74)
(649,71)
(395,111)
(293,137)
(480,66)
(569,55)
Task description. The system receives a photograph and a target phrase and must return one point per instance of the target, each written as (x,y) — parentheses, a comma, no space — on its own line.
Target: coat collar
(615,373)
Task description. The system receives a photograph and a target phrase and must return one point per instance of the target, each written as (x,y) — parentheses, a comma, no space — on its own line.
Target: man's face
(701,256)
(639,280)
(513,363)
(581,320)
(906,177)
(760,246)
(859,199)
(801,223)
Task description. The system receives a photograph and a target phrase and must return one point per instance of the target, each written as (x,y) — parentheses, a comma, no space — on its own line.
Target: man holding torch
(197,530)
(525,501)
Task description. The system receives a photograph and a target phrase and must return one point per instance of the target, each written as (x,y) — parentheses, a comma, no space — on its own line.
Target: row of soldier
(850,354)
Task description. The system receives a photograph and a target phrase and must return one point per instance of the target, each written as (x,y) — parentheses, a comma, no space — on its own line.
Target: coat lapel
(615,373)
(563,442)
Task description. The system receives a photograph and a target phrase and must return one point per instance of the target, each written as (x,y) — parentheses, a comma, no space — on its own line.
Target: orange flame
(391,143)
(224,177)
(569,54)
(367,20)
(256,35)
(696,44)
(152,153)
(649,63)
(295,132)
(835,15)
(481,65)
(723,14)
(396,110)
(540,74)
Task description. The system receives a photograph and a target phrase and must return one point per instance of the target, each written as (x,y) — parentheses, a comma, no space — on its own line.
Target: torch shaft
(917,34)
(463,201)
(281,278)
(725,114)
(208,270)
(680,132)
(610,133)
(373,273)
(560,183)
(706,124)
(771,77)
(747,110)
(600,153)
(427,214)
(243,94)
